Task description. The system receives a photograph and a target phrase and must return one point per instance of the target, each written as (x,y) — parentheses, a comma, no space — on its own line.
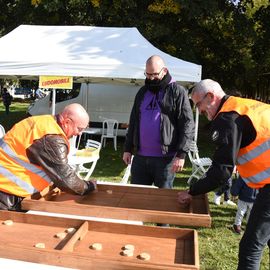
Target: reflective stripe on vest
(19,182)
(254,153)
(24,164)
(15,179)
(260,177)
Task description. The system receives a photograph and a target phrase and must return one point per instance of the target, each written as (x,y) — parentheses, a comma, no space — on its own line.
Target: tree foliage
(230,39)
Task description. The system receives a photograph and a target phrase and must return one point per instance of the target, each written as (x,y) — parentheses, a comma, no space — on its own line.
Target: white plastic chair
(2,131)
(94,149)
(127,173)
(109,130)
(199,165)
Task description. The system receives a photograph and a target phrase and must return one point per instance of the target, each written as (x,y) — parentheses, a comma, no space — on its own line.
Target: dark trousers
(226,188)
(7,109)
(257,233)
(152,170)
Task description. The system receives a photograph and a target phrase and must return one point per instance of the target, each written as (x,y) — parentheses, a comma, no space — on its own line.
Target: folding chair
(127,173)
(199,165)
(2,131)
(93,148)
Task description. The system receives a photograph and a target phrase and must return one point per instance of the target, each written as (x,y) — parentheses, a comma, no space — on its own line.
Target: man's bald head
(155,60)
(155,67)
(76,112)
(73,119)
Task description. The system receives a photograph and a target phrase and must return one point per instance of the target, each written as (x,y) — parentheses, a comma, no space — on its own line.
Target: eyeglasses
(80,129)
(155,74)
(198,104)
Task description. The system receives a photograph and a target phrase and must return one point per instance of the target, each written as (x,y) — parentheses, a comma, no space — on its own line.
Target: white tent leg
(53,101)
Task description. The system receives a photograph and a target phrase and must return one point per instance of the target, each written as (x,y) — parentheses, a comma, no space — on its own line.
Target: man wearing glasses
(240,133)
(34,153)
(161,128)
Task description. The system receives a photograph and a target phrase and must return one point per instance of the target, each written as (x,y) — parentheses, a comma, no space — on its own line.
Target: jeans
(257,233)
(242,209)
(152,170)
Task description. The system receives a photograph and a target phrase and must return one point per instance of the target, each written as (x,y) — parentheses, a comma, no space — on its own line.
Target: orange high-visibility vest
(253,161)
(17,175)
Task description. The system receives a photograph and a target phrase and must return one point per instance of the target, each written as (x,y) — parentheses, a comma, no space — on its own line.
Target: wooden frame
(127,203)
(169,248)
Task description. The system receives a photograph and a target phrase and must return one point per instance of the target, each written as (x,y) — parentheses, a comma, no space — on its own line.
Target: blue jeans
(152,170)
(257,233)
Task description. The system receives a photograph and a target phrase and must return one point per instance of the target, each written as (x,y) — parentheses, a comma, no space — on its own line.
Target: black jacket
(7,98)
(177,124)
(230,132)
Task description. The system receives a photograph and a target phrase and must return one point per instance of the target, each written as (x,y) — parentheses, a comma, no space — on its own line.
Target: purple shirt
(150,112)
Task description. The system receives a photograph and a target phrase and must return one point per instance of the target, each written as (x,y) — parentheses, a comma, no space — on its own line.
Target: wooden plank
(196,250)
(129,203)
(59,258)
(78,235)
(170,248)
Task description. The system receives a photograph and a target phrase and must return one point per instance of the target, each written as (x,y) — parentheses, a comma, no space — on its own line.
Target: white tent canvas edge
(84,51)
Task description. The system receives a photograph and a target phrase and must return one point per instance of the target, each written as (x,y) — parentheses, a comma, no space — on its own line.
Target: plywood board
(169,248)
(129,203)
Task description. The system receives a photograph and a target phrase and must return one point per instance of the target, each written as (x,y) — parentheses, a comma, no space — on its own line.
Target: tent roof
(84,51)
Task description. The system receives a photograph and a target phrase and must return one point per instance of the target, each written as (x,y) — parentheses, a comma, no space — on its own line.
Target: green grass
(218,245)
(18,111)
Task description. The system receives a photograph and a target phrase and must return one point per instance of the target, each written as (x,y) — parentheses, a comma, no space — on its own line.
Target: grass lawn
(218,245)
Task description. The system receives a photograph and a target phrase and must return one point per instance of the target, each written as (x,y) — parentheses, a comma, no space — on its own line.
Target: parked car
(22,92)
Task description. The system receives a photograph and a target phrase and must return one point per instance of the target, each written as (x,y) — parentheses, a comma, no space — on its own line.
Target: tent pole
(53,101)
(86,95)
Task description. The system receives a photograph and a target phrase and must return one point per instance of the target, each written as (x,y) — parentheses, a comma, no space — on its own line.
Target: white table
(90,131)
(77,160)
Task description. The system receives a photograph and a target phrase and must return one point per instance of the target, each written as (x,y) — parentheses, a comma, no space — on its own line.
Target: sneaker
(217,199)
(229,202)
(237,229)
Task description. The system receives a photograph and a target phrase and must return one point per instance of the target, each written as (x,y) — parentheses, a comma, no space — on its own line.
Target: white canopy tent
(93,54)
(84,51)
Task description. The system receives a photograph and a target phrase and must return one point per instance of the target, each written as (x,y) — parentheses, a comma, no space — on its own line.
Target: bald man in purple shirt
(161,128)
